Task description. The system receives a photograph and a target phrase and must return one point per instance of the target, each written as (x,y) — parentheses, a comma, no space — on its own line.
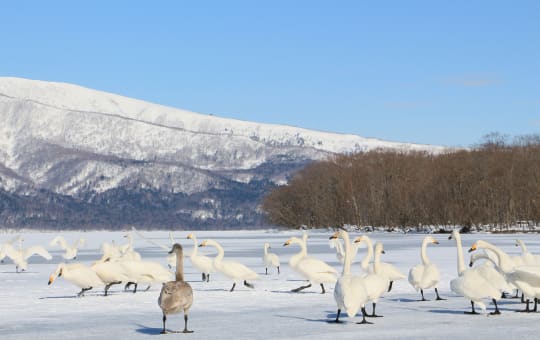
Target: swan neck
(180,265)
(504,262)
(369,255)
(347,260)
(460,259)
(195,247)
(220,254)
(423,252)
(377,262)
(523,247)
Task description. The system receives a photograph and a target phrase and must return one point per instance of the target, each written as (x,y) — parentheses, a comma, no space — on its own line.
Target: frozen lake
(30,309)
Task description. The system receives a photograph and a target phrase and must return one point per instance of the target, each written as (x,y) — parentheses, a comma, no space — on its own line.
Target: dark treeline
(495,183)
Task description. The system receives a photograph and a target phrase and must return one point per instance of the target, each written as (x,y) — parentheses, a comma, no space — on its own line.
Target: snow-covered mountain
(65,148)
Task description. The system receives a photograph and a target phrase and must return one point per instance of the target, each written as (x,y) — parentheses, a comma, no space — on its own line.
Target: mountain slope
(108,160)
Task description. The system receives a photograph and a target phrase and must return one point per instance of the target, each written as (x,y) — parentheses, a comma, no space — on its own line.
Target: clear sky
(435,72)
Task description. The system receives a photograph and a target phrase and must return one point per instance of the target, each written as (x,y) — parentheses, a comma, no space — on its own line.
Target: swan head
(267,245)
(334,236)
(190,236)
(432,239)
(379,248)
(359,239)
(177,248)
(288,242)
(474,246)
(204,243)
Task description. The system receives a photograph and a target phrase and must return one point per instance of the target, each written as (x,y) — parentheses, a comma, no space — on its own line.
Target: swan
(385,269)
(110,272)
(527,258)
(376,283)
(233,270)
(177,295)
(312,269)
(203,263)
(79,275)
(144,272)
(425,275)
(270,259)
(470,284)
(349,292)
(489,272)
(127,249)
(11,242)
(21,255)
(525,278)
(70,250)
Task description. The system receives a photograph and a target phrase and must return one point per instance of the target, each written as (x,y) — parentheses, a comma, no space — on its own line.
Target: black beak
(470,264)
(383,252)
(450,237)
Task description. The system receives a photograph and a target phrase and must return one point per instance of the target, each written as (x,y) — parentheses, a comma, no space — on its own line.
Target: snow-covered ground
(30,309)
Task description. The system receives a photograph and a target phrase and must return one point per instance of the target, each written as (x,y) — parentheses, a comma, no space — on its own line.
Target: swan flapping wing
(36,250)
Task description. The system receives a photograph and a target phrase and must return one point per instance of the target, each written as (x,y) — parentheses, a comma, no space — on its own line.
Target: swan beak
(471,264)
(287,243)
(450,237)
(51,279)
(358,239)
(203,244)
(383,252)
(435,242)
(473,248)
(333,237)
(190,236)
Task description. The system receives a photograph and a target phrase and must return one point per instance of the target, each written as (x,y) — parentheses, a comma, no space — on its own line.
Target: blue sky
(435,72)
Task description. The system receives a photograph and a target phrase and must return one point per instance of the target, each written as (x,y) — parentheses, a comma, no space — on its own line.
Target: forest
(493,184)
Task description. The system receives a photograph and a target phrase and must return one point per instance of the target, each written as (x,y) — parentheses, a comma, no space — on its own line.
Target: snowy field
(30,309)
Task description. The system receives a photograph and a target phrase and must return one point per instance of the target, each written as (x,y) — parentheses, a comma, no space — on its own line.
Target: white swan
(79,275)
(232,269)
(127,251)
(270,259)
(203,263)
(470,284)
(489,272)
(177,295)
(376,282)
(144,272)
(70,251)
(349,292)
(425,275)
(527,257)
(526,278)
(385,269)
(15,239)
(21,255)
(312,269)
(111,273)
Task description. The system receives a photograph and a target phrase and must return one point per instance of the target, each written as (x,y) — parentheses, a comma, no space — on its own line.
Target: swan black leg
(522,297)
(535,305)
(472,309)
(422,293)
(203,277)
(364,321)
(147,288)
(249,285)
(438,297)
(526,310)
(337,317)
(266,272)
(163,331)
(232,288)
(497,311)
(323,290)
(390,285)
(81,293)
(126,287)
(185,325)
(296,290)
(135,289)
(208,277)
(278,270)
(373,315)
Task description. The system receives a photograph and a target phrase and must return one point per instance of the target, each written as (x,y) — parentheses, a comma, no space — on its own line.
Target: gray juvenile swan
(176,295)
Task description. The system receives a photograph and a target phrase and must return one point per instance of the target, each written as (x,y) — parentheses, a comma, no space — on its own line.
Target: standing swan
(270,259)
(231,269)
(78,274)
(470,284)
(203,263)
(350,291)
(176,295)
(425,275)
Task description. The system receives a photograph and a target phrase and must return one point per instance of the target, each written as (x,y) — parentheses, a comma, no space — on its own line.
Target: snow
(31,309)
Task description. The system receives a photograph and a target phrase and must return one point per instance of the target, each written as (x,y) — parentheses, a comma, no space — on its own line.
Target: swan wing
(237,270)
(528,274)
(36,250)
(391,271)
(203,263)
(274,259)
(60,241)
(10,251)
(415,275)
(175,296)
(431,276)
(312,264)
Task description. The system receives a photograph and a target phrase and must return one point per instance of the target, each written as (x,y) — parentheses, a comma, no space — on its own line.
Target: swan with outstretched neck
(79,275)
(203,263)
(270,259)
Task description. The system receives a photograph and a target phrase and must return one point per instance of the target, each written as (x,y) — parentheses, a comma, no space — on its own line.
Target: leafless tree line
(494,183)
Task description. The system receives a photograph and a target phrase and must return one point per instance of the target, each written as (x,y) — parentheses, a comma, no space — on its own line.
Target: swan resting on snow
(176,295)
